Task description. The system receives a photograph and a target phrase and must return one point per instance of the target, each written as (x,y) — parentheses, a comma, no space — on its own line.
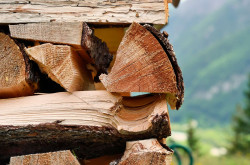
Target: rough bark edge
(168,48)
(86,141)
(97,49)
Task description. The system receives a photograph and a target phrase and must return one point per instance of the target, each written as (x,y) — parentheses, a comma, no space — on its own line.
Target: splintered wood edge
(168,48)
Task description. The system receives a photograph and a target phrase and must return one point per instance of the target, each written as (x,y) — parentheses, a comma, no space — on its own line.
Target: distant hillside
(212,44)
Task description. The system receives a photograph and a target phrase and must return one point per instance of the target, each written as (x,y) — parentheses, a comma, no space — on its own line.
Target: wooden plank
(93,123)
(77,34)
(91,11)
(63,65)
(17,76)
(146,152)
(53,158)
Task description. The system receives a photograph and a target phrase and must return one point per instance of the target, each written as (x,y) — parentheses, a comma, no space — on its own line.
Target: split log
(146,152)
(94,11)
(17,74)
(143,65)
(76,34)
(53,158)
(63,65)
(93,123)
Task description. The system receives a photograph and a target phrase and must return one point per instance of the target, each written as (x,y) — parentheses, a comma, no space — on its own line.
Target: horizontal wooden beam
(91,11)
(92,123)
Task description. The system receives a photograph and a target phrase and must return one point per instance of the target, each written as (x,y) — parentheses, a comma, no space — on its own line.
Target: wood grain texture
(63,65)
(141,65)
(77,34)
(91,11)
(146,152)
(175,100)
(93,123)
(17,77)
(51,158)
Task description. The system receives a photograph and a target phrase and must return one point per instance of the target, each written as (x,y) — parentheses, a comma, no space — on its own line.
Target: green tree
(192,139)
(241,125)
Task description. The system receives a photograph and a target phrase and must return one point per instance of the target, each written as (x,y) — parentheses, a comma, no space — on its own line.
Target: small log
(53,158)
(17,73)
(91,11)
(76,34)
(93,123)
(63,65)
(146,152)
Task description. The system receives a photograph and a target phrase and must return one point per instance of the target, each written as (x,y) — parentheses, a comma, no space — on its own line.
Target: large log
(51,158)
(63,65)
(145,62)
(17,74)
(94,11)
(76,34)
(146,152)
(93,123)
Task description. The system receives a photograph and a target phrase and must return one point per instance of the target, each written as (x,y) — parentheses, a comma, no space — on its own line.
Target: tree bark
(17,74)
(53,158)
(63,65)
(91,11)
(93,123)
(146,152)
(76,34)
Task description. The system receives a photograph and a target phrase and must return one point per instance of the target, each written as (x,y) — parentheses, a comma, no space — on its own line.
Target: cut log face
(146,152)
(94,123)
(63,65)
(51,158)
(16,75)
(141,65)
(175,100)
(76,34)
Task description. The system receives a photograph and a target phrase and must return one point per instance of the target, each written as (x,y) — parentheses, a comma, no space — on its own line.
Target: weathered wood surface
(141,65)
(146,152)
(93,123)
(77,34)
(51,158)
(17,76)
(63,65)
(94,11)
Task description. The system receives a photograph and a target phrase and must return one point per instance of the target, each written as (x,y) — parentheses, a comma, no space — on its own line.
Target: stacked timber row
(67,73)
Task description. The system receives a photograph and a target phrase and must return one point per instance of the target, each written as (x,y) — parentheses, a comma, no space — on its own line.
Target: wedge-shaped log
(91,11)
(17,75)
(77,34)
(63,65)
(92,123)
(53,158)
(146,152)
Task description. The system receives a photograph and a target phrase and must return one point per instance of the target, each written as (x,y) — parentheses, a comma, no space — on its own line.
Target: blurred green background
(211,39)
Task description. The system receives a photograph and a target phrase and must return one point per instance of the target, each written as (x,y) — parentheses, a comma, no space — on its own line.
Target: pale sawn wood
(91,11)
(63,65)
(50,158)
(78,120)
(146,152)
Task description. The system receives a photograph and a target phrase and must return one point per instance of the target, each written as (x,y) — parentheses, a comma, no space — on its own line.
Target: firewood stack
(69,71)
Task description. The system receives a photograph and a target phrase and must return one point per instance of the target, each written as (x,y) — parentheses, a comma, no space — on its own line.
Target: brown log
(146,152)
(143,65)
(76,34)
(93,123)
(17,74)
(53,158)
(63,65)
(175,100)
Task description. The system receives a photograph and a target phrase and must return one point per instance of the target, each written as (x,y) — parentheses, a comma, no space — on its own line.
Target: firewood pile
(69,72)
